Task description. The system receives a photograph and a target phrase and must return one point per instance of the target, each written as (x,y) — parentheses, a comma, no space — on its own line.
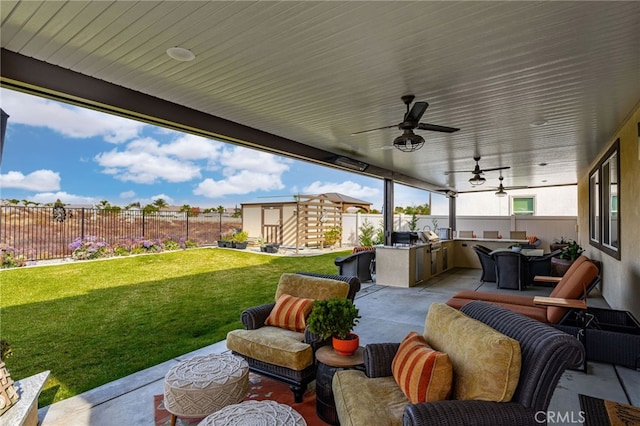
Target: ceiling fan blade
(436,128)
(496,168)
(371,130)
(417,110)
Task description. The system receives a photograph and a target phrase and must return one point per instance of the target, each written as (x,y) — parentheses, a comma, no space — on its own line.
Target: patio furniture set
(514,349)
(513,270)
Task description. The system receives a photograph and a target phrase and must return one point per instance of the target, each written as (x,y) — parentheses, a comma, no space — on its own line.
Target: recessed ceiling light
(542,164)
(181,54)
(539,122)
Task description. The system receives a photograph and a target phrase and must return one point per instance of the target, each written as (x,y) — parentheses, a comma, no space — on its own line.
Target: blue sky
(80,156)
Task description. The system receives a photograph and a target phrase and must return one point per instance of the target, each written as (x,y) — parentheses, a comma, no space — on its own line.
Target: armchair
(358,264)
(487,262)
(374,397)
(280,353)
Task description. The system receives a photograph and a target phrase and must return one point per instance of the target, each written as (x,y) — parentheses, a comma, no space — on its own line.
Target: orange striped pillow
(423,374)
(290,312)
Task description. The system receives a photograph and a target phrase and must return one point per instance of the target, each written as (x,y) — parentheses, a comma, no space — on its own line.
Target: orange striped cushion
(423,374)
(290,312)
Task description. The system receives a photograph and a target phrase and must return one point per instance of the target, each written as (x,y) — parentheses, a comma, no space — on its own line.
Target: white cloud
(66,198)
(40,180)
(241,182)
(244,171)
(127,195)
(348,187)
(240,158)
(141,162)
(68,120)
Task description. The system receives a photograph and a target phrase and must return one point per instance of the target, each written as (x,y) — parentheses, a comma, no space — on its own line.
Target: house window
(523,206)
(604,203)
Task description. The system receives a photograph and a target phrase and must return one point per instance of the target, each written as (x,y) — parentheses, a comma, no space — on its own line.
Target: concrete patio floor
(388,314)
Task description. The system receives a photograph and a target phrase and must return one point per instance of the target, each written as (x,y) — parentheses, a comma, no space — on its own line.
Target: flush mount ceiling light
(180,54)
(477,180)
(539,122)
(408,141)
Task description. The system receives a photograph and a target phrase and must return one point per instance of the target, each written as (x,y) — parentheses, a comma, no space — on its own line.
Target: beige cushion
(361,401)
(486,363)
(311,287)
(272,345)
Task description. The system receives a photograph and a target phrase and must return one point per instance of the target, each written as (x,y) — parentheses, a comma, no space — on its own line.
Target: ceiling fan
(477,179)
(501,189)
(409,141)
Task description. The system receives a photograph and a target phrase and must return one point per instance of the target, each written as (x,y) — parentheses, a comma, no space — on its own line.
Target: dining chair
(518,235)
(490,234)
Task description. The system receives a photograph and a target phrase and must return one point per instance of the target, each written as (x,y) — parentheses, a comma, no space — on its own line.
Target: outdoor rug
(599,412)
(260,388)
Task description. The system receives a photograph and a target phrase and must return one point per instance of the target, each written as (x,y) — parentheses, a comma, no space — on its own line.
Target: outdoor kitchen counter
(403,266)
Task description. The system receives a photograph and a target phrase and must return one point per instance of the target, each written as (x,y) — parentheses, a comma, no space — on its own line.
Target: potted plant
(558,243)
(569,253)
(336,318)
(239,240)
(267,247)
(225,239)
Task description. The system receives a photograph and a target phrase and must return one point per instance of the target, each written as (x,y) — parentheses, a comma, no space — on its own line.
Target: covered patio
(388,314)
(545,92)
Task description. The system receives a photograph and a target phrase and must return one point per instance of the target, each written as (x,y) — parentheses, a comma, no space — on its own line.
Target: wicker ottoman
(204,384)
(267,413)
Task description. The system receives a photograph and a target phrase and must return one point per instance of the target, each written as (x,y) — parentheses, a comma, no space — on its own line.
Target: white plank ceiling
(315,72)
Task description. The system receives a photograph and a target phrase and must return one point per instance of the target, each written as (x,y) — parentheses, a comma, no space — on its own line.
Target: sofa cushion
(273,345)
(361,401)
(290,312)
(572,288)
(486,363)
(424,375)
(311,287)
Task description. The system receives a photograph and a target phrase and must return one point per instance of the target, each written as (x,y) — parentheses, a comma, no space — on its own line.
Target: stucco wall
(621,278)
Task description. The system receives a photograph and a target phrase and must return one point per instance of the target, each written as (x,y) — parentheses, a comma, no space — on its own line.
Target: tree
(150,208)
(160,203)
(129,206)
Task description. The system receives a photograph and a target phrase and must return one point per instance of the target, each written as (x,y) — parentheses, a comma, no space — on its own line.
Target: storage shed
(301,221)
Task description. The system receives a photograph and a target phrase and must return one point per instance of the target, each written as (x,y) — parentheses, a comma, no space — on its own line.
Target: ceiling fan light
(477,180)
(408,141)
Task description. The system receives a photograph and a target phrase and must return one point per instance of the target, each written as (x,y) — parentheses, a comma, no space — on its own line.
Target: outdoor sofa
(582,276)
(505,368)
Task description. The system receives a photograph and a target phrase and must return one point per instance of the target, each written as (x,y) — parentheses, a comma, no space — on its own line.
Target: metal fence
(45,232)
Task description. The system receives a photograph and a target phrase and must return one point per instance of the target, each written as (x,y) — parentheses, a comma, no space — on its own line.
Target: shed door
(272,224)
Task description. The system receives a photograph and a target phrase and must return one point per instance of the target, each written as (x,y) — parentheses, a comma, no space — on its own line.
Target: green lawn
(93,322)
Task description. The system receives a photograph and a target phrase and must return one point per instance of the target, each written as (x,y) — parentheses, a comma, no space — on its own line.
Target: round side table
(328,363)
(202,385)
(268,413)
